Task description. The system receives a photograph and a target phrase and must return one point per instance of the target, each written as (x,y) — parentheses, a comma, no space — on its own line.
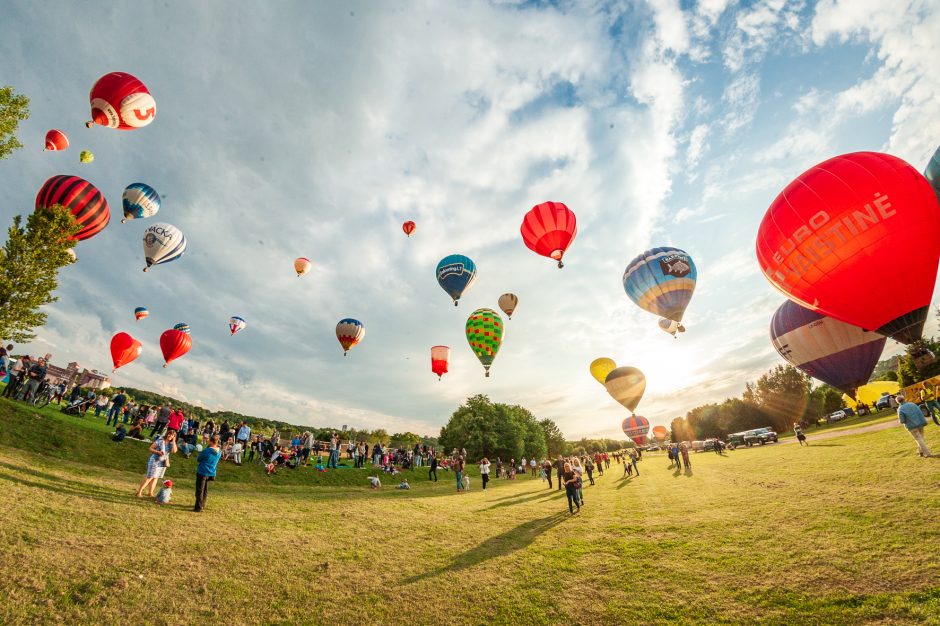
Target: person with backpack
(571,480)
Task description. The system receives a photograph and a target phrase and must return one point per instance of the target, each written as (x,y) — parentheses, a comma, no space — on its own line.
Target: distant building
(74,374)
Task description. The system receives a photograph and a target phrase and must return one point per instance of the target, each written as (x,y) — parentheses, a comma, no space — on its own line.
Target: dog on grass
(466,483)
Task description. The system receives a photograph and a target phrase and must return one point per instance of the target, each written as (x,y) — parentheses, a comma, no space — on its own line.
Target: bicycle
(42,397)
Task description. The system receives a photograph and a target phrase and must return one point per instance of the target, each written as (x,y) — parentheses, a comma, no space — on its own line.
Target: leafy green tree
(29,269)
(13,110)
(908,373)
(554,439)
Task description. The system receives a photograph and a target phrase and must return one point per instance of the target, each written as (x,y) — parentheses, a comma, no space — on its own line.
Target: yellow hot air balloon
(85,156)
(870,393)
(302,266)
(601,367)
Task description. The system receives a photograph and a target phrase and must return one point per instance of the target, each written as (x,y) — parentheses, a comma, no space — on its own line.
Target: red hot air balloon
(56,140)
(124,349)
(119,100)
(440,358)
(548,229)
(408,227)
(79,196)
(851,223)
(636,427)
(174,344)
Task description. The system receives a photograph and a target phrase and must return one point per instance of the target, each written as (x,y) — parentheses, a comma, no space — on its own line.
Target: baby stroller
(79,405)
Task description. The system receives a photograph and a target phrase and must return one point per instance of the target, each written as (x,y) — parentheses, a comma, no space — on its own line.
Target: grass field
(843,532)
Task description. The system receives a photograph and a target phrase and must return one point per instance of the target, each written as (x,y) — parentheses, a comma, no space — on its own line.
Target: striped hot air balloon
(183,327)
(139,201)
(548,229)
(141,312)
(636,427)
(163,243)
(508,303)
(626,385)
(86,203)
(236,323)
(661,281)
(349,332)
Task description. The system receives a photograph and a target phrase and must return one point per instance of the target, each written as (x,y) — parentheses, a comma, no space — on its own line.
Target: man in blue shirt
(117,407)
(909,414)
(207,461)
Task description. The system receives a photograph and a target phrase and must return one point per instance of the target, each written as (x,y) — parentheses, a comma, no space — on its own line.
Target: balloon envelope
(661,281)
(236,324)
(851,223)
(932,173)
(671,326)
(119,100)
(440,360)
(548,229)
(56,140)
(455,274)
(87,205)
(139,201)
(601,367)
(408,227)
(302,266)
(140,313)
(174,344)
(626,385)
(86,156)
(870,392)
(183,327)
(660,432)
(636,427)
(834,352)
(508,303)
(163,243)
(484,330)
(349,332)
(124,349)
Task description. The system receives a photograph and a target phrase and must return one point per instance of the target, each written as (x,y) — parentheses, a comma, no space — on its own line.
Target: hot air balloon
(86,156)
(79,196)
(660,432)
(455,274)
(174,344)
(56,140)
(834,352)
(626,385)
(124,349)
(661,281)
(302,266)
(485,335)
(440,359)
(870,393)
(671,326)
(163,243)
(408,227)
(139,201)
(120,101)
(548,229)
(635,427)
(932,173)
(141,312)
(236,324)
(601,367)
(349,332)
(850,223)
(508,303)
(183,327)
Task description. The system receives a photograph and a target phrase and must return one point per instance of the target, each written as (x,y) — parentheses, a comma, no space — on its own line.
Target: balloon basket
(560,265)
(89,124)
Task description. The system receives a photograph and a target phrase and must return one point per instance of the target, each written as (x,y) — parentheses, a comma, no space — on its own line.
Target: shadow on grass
(623,482)
(65,486)
(828,445)
(505,543)
(541,496)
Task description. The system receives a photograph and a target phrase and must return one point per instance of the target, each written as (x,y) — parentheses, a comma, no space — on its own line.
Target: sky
(315,129)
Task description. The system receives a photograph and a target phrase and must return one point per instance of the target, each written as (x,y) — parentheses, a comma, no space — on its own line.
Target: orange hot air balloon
(408,227)
(56,140)
(548,229)
(124,349)
(174,344)
(660,432)
(302,266)
(440,359)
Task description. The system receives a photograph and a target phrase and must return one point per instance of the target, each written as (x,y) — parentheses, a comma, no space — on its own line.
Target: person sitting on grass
(404,484)
(185,448)
(165,493)
(374,482)
(137,429)
(119,434)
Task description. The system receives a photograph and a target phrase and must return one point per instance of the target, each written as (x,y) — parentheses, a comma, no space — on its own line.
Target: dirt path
(858,430)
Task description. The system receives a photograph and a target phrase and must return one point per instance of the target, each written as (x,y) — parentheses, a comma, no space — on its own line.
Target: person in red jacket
(176,420)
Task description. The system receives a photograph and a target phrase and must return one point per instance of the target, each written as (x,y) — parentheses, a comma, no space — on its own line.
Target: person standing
(684,451)
(911,417)
(589,468)
(160,451)
(163,418)
(928,397)
(485,472)
(36,374)
(800,435)
(206,464)
(117,407)
(243,435)
(570,479)
(432,465)
(549,470)
(458,471)
(559,469)
(334,451)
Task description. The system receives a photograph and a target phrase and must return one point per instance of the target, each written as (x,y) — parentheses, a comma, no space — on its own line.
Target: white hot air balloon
(163,243)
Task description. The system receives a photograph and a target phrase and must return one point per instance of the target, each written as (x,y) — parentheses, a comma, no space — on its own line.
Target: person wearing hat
(165,493)
(928,397)
(911,417)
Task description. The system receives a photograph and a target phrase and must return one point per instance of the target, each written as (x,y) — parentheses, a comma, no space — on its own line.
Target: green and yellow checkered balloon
(485,335)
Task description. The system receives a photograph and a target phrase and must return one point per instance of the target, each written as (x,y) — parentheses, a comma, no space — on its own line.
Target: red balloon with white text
(119,100)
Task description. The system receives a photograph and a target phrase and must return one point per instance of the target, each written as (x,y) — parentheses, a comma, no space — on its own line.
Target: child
(119,434)
(165,493)
(404,484)
(374,482)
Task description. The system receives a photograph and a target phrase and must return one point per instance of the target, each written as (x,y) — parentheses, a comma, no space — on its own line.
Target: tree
(554,439)
(783,394)
(29,269)
(13,110)
(908,373)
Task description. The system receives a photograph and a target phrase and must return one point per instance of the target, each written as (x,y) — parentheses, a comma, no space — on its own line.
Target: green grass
(842,532)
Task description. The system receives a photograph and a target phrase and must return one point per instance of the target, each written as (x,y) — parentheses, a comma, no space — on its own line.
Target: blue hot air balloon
(139,201)
(933,172)
(661,281)
(834,352)
(455,274)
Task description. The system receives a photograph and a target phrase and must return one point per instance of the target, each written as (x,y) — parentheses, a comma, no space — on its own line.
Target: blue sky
(302,129)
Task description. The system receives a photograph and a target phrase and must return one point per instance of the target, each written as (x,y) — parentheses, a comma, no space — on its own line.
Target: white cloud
(741,98)
(696,145)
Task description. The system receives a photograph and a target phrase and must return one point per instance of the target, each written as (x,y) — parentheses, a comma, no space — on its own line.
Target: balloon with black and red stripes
(86,203)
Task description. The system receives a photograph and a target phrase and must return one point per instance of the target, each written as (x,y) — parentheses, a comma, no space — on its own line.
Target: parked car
(835,416)
(697,446)
(884,402)
(709,445)
(758,436)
